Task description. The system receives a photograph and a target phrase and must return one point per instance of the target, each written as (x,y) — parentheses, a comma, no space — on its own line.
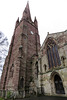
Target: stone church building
(31,69)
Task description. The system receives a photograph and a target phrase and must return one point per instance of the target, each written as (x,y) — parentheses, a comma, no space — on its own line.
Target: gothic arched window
(52,54)
(37,68)
(21,82)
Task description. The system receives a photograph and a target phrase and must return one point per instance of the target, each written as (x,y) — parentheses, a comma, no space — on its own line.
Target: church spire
(27,6)
(26,13)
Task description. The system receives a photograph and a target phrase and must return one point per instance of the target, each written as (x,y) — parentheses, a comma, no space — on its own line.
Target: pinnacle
(35,18)
(18,19)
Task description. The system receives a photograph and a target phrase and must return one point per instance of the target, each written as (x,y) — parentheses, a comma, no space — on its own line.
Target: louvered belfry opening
(52,53)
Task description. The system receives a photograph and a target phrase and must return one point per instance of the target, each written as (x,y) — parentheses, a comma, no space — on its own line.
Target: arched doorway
(58,85)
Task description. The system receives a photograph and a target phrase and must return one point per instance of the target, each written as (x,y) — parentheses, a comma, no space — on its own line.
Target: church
(32,69)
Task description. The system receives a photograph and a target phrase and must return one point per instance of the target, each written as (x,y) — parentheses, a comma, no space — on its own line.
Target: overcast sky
(51,15)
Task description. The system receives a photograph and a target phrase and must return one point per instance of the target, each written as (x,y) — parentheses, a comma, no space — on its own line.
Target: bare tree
(3,50)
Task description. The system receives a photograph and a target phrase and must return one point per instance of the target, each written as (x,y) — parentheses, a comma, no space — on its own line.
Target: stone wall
(45,73)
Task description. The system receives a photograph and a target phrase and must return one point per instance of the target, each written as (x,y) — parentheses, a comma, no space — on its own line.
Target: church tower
(25,44)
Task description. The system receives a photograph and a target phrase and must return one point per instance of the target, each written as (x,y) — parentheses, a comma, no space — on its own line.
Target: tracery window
(52,54)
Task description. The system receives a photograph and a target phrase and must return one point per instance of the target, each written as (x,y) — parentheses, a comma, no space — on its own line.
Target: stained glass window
(52,54)
(51,57)
(48,58)
(58,59)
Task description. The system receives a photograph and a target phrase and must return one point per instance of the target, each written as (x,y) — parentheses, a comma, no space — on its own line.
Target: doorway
(58,85)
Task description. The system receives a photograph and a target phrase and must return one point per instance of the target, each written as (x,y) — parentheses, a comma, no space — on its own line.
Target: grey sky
(51,15)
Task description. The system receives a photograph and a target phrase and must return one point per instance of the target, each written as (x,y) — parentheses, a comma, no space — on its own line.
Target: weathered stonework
(25,44)
(47,75)
(27,70)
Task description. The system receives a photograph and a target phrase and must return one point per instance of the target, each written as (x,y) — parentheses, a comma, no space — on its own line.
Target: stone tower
(25,43)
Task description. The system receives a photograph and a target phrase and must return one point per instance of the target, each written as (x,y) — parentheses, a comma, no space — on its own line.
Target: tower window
(52,54)
(21,82)
(11,71)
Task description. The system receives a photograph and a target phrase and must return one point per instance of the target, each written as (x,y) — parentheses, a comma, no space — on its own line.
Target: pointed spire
(27,6)
(26,13)
(35,22)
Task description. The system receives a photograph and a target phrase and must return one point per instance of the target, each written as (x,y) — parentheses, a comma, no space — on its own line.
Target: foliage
(8,95)
(1,99)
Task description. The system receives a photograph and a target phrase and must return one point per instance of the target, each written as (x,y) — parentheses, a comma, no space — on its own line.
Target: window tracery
(52,54)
